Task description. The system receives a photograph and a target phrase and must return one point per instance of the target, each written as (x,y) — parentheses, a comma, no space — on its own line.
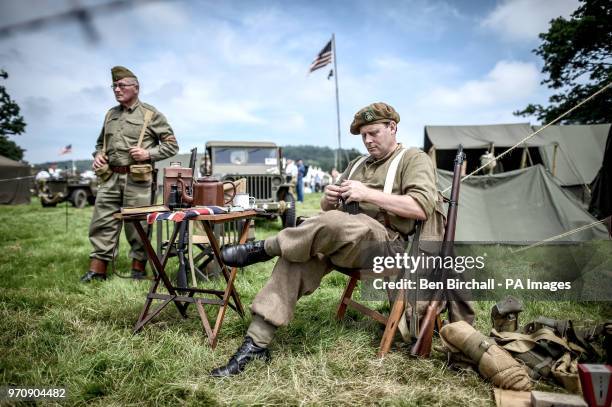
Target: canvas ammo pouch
(104,172)
(505,314)
(142,172)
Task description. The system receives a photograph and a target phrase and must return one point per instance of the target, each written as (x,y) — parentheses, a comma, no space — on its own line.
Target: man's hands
(99,161)
(350,191)
(139,154)
(355,191)
(331,196)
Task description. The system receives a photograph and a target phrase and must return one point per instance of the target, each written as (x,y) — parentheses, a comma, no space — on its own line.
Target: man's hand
(139,154)
(99,161)
(354,191)
(332,195)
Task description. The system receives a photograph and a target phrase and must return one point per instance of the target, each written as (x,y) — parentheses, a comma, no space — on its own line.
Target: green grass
(55,331)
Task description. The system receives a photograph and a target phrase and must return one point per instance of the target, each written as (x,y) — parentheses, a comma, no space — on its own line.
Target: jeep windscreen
(243,156)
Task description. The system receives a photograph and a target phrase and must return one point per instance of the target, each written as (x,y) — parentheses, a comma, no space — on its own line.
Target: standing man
(334,238)
(134,135)
(301,172)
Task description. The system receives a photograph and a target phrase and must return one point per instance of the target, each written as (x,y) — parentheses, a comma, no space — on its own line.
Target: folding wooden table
(181,297)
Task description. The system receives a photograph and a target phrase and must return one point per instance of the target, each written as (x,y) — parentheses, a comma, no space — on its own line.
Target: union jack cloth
(179,216)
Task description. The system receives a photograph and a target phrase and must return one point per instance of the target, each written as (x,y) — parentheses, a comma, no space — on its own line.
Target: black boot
(247,352)
(242,255)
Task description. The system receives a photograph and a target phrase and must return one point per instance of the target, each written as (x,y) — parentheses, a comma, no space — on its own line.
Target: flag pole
(337,155)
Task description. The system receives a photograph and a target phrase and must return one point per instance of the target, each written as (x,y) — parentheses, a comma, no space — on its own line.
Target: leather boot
(97,271)
(247,352)
(242,255)
(139,271)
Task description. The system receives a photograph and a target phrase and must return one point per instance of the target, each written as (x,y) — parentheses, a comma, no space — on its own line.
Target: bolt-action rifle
(422,346)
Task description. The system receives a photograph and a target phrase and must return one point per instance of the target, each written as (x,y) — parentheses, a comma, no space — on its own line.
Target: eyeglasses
(121,85)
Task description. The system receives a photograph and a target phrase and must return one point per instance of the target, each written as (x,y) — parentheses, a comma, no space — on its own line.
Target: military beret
(121,72)
(374,113)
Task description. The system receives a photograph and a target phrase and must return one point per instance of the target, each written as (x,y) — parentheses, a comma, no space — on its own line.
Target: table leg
(229,290)
(160,266)
(214,244)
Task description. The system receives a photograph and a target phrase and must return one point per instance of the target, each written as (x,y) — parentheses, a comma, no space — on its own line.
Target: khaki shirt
(415,177)
(122,130)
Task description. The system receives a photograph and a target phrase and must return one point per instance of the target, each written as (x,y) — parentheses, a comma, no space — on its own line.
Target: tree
(11,123)
(577,57)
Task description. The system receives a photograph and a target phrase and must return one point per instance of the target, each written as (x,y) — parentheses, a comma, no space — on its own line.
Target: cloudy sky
(237,70)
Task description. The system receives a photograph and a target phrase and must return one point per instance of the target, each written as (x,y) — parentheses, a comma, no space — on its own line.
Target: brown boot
(97,271)
(139,271)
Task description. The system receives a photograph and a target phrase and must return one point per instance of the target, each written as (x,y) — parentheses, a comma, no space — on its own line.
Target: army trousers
(119,190)
(307,253)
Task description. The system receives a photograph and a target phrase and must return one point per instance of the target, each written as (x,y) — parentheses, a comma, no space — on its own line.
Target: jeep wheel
(78,198)
(288,217)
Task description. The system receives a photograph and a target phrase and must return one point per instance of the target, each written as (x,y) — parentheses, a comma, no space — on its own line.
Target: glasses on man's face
(121,85)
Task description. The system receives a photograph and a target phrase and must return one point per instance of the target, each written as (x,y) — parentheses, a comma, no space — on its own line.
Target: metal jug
(206,191)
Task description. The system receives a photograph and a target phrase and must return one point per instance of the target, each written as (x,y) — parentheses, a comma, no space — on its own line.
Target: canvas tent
(526,205)
(574,155)
(14,182)
(571,153)
(441,142)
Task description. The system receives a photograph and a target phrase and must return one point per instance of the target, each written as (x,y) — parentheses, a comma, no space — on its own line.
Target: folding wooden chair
(391,322)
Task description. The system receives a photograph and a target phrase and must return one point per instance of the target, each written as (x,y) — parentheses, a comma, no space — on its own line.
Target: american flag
(324,58)
(66,150)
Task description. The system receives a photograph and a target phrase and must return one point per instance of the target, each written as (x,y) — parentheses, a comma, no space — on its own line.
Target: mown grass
(55,331)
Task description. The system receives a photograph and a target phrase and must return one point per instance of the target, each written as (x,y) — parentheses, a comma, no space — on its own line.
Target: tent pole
(524,158)
(554,163)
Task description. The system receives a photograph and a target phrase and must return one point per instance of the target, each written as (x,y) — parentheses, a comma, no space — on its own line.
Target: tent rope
(603,89)
(557,237)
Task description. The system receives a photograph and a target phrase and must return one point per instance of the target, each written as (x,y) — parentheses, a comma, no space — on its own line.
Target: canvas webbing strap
(104,132)
(392,171)
(476,345)
(147,118)
(357,165)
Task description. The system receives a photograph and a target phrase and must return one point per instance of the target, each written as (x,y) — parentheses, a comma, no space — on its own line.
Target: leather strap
(125,169)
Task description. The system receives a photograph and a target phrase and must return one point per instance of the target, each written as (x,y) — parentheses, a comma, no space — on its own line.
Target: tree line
(323,157)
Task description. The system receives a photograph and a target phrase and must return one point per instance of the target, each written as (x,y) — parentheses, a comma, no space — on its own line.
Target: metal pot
(207,191)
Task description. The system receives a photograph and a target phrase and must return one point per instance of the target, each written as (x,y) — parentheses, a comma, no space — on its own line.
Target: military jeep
(260,163)
(74,189)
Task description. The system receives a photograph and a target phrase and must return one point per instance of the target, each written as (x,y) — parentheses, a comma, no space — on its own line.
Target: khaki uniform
(334,238)
(122,129)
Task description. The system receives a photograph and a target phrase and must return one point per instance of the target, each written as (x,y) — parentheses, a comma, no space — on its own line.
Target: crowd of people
(308,178)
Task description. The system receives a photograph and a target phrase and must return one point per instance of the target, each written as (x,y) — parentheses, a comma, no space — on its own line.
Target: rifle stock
(422,346)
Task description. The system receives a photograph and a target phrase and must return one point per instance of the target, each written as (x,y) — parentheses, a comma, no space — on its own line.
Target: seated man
(309,251)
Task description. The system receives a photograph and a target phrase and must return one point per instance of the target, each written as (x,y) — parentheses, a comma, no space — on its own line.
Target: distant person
(301,172)
(132,133)
(317,181)
(291,170)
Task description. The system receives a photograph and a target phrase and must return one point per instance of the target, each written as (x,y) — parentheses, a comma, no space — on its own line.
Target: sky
(238,70)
